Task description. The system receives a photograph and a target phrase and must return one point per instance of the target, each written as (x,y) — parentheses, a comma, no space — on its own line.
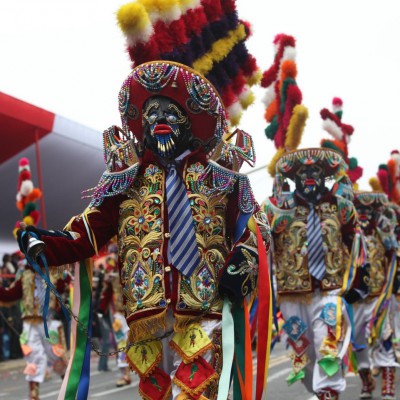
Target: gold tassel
(141,328)
(182,322)
(303,298)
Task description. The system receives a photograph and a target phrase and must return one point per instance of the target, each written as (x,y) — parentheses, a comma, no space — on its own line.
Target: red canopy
(21,124)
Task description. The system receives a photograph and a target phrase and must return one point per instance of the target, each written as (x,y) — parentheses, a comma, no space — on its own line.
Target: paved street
(102,384)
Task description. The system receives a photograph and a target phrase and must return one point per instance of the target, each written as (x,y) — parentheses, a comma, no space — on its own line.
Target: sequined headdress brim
(330,160)
(375,199)
(188,88)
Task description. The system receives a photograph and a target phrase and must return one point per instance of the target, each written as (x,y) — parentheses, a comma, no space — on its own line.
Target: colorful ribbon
(77,377)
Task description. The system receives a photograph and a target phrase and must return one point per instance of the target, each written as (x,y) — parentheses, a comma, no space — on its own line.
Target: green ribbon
(228,335)
(293,377)
(329,364)
(81,338)
(239,334)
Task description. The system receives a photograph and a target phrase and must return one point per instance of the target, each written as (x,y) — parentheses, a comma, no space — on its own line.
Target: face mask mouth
(310,182)
(162,129)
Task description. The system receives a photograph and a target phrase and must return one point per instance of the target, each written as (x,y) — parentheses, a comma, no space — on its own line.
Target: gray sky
(68,56)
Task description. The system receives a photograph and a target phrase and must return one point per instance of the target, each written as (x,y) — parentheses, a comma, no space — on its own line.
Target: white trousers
(121,338)
(315,378)
(42,352)
(362,313)
(381,356)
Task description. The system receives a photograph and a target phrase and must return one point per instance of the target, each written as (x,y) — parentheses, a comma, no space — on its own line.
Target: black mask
(310,182)
(365,215)
(166,127)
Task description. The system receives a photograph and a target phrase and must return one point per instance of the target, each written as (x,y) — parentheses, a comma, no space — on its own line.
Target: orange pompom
(21,205)
(392,170)
(34,195)
(271,111)
(288,70)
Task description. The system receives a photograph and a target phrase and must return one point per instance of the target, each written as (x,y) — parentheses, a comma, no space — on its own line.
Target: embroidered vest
(143,240)
(33,290)
(378,264)
(289,229)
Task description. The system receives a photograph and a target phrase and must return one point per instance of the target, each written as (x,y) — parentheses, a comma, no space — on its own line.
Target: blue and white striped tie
(316,255)
(183,244)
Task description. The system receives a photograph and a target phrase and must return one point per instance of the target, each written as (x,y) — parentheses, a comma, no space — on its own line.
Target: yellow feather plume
(375,184)
(219,50)
(296,127)
(133,19)
(271,167)
(254,79)
(235,118)
(167,10)
(187,4)
(247,100)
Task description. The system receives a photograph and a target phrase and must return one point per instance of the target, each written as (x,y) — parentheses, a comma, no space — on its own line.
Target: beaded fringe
(112,184)
(224,180)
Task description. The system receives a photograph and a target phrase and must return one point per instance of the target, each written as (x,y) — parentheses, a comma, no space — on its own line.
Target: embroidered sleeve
(8,296)
(85,234)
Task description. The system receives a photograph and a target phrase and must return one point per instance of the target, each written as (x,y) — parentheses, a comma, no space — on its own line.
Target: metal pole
(40,178)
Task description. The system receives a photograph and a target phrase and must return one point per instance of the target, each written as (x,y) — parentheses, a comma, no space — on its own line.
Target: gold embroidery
(377,260)
(291,251)
(141,244)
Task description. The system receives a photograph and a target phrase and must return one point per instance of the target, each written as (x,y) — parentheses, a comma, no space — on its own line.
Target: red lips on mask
(162,129)
(310,182)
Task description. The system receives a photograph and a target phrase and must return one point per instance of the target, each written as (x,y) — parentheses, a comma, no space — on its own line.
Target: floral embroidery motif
(291,248)
(248,267)
(140,242)
(377,261)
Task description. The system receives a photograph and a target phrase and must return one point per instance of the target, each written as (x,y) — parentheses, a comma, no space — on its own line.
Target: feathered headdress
(27,196)
(284,112)
(341,133)
(206,35)
(387,179)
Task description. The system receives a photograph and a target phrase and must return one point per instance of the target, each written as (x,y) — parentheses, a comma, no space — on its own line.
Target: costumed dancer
(191,237)
(29,289)
(358,301)
(379,217)
(111,300)
(313,231)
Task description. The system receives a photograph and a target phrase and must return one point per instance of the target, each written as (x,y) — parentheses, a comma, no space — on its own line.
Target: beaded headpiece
(192,91)
(374,199)
(330,160)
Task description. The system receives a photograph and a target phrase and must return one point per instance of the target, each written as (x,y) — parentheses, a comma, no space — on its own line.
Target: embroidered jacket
(219,201)
(289,229)
(30,289)
(381,241)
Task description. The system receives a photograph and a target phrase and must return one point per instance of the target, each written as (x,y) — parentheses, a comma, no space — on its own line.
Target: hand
(23,240)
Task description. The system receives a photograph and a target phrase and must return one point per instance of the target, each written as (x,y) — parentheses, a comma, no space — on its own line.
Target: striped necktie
(183,245)
(316,255)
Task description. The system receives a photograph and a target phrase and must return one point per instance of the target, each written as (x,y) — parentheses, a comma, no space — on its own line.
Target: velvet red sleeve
(12,293)
(103,222)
